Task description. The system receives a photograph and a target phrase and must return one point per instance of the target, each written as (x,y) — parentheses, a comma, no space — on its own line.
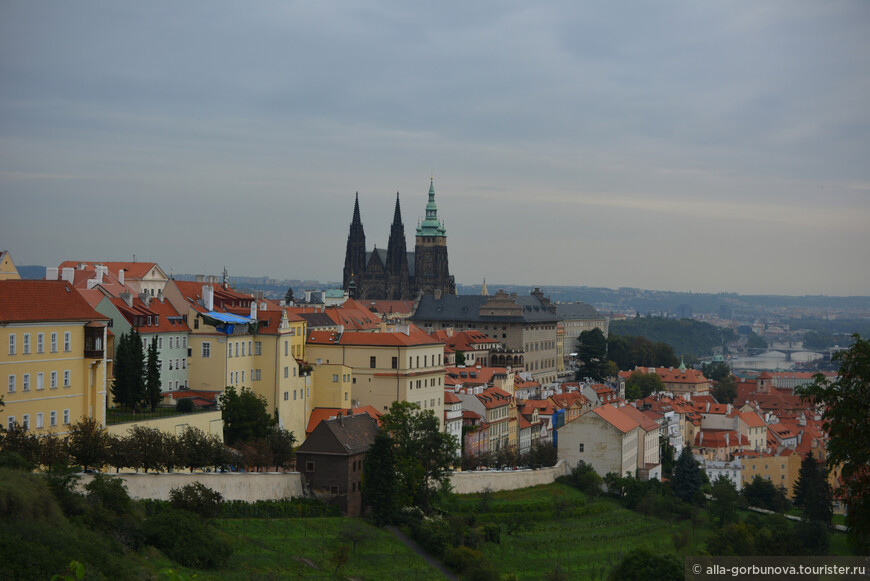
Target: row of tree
(91,446)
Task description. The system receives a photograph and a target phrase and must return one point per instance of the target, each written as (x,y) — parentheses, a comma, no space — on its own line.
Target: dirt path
(429,558)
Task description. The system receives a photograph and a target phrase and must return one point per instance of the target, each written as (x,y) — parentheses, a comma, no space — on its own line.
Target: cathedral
(395,273)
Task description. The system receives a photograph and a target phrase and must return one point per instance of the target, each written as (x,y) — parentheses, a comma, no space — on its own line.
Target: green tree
(641,384)
(812,492)
(281,444)
(724,504)
(152,375)
(846,419)
(716,371)
(422,454)
(725,390)
(88,443)
(592,353)
(128,388)
(288,296)
(460,358)
(687,479)
(763,493)
(380,478)
(245,416)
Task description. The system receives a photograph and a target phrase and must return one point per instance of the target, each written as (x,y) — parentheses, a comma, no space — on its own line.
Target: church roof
(431,226)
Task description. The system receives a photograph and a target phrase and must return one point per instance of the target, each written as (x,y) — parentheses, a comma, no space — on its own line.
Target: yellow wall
(331,385)
(7,268)
(85,396)
(209,422)
(380,386)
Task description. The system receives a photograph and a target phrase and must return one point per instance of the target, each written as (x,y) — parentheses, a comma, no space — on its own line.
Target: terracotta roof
(451,398)
(752,419)
(164,318)
(616,418)
(134,270)
(647,424)
(390,307)
(45,301)
(720,439)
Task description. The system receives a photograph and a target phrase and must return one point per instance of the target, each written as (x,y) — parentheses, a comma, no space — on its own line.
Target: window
(12,344)
(40,381)
(258,348)
(66,417)
(309,466)
(286,372)
(206,350)
(40,342)
(229,349)
(249,348)
(294,395)
(160,342)
(53,380)
(345,396)
(10,422)
(243,373)
(25,421)
(286,396)
(286,345)
(581,447)
(373,362)
(334,378)
(243,348)
(26,347)
(25,381)
(52,419)
(395,363)
(39,420)
(184,363)
(333,489)
(237,348)
(54,342)
(67,342)
(12,384)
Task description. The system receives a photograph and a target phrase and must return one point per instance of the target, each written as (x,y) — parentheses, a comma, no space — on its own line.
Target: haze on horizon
(671,145)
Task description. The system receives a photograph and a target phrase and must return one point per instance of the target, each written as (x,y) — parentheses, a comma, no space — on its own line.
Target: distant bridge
(788,350)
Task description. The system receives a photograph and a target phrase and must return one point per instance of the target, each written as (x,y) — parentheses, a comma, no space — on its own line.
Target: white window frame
(11,388)
(12,344)
(52,380)
(25,382)
(52,419)
(66,417)
(40,381)
(25,346)
(40,342)
(54,342)
(67,342)
(206,350)
(39,421)
(66,377)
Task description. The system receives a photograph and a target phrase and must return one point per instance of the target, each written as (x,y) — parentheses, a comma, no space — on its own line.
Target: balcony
(94,348)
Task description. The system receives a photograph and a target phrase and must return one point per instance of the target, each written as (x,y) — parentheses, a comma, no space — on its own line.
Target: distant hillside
(684,335)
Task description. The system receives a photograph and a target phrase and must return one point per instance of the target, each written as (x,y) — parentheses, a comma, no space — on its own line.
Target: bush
(197,498)
(184,538)
(184,406)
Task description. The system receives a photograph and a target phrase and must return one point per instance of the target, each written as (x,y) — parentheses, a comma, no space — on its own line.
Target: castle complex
(395,273)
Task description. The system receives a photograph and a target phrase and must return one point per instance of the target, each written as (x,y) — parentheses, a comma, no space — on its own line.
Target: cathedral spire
(397,213)
(431,226)
(356,218)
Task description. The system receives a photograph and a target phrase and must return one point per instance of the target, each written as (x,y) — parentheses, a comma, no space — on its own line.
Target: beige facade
(386,367)
(597,442)
(7,267)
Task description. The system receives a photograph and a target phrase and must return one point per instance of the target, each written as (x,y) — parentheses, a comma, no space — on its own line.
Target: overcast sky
(694,146)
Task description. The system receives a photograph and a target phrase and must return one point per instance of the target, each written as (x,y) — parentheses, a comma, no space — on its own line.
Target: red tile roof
(320,414)
(134,270)
(616,418)
(720,439)
(163,314)
(43,301)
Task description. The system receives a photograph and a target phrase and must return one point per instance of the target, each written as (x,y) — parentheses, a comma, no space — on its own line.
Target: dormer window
(149,320)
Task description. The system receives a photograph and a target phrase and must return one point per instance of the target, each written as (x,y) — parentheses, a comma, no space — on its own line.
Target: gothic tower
(397,259)
(432,274)
(355,256)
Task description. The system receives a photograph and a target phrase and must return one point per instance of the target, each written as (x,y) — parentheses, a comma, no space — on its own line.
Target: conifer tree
(128,389)
(812,492)
(152,375)
(687,479)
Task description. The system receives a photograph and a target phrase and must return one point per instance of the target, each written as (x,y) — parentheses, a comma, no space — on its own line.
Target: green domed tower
(431,272)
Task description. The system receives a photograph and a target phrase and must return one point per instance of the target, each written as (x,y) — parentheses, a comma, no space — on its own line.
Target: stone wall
(248,487)
(477,480)
(208,422)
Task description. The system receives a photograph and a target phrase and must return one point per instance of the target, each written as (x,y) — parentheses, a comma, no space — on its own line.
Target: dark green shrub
(197,498)
(184,406)
(108,492)
(184,538)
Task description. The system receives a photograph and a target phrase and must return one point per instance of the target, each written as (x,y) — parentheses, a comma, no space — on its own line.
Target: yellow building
(404,365)
(52,356)
(237,340)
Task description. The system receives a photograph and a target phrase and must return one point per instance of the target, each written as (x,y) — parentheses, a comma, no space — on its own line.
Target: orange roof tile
(616,418)
(43,300)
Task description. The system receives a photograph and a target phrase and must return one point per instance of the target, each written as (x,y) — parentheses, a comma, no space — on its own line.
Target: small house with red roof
(606,438)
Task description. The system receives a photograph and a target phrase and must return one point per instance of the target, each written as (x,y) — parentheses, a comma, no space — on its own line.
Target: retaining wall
(478,480)
(249,486)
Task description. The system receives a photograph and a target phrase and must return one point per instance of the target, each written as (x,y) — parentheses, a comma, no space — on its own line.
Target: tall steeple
(397,257)
(355,255)
(431,226)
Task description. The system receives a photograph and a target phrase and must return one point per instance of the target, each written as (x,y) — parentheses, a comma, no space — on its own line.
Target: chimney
(145,298)
(437,294)
(128,299)
(51,273)
(68,275)
(121,276)
(208,297)
(254,310)
(708,407)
